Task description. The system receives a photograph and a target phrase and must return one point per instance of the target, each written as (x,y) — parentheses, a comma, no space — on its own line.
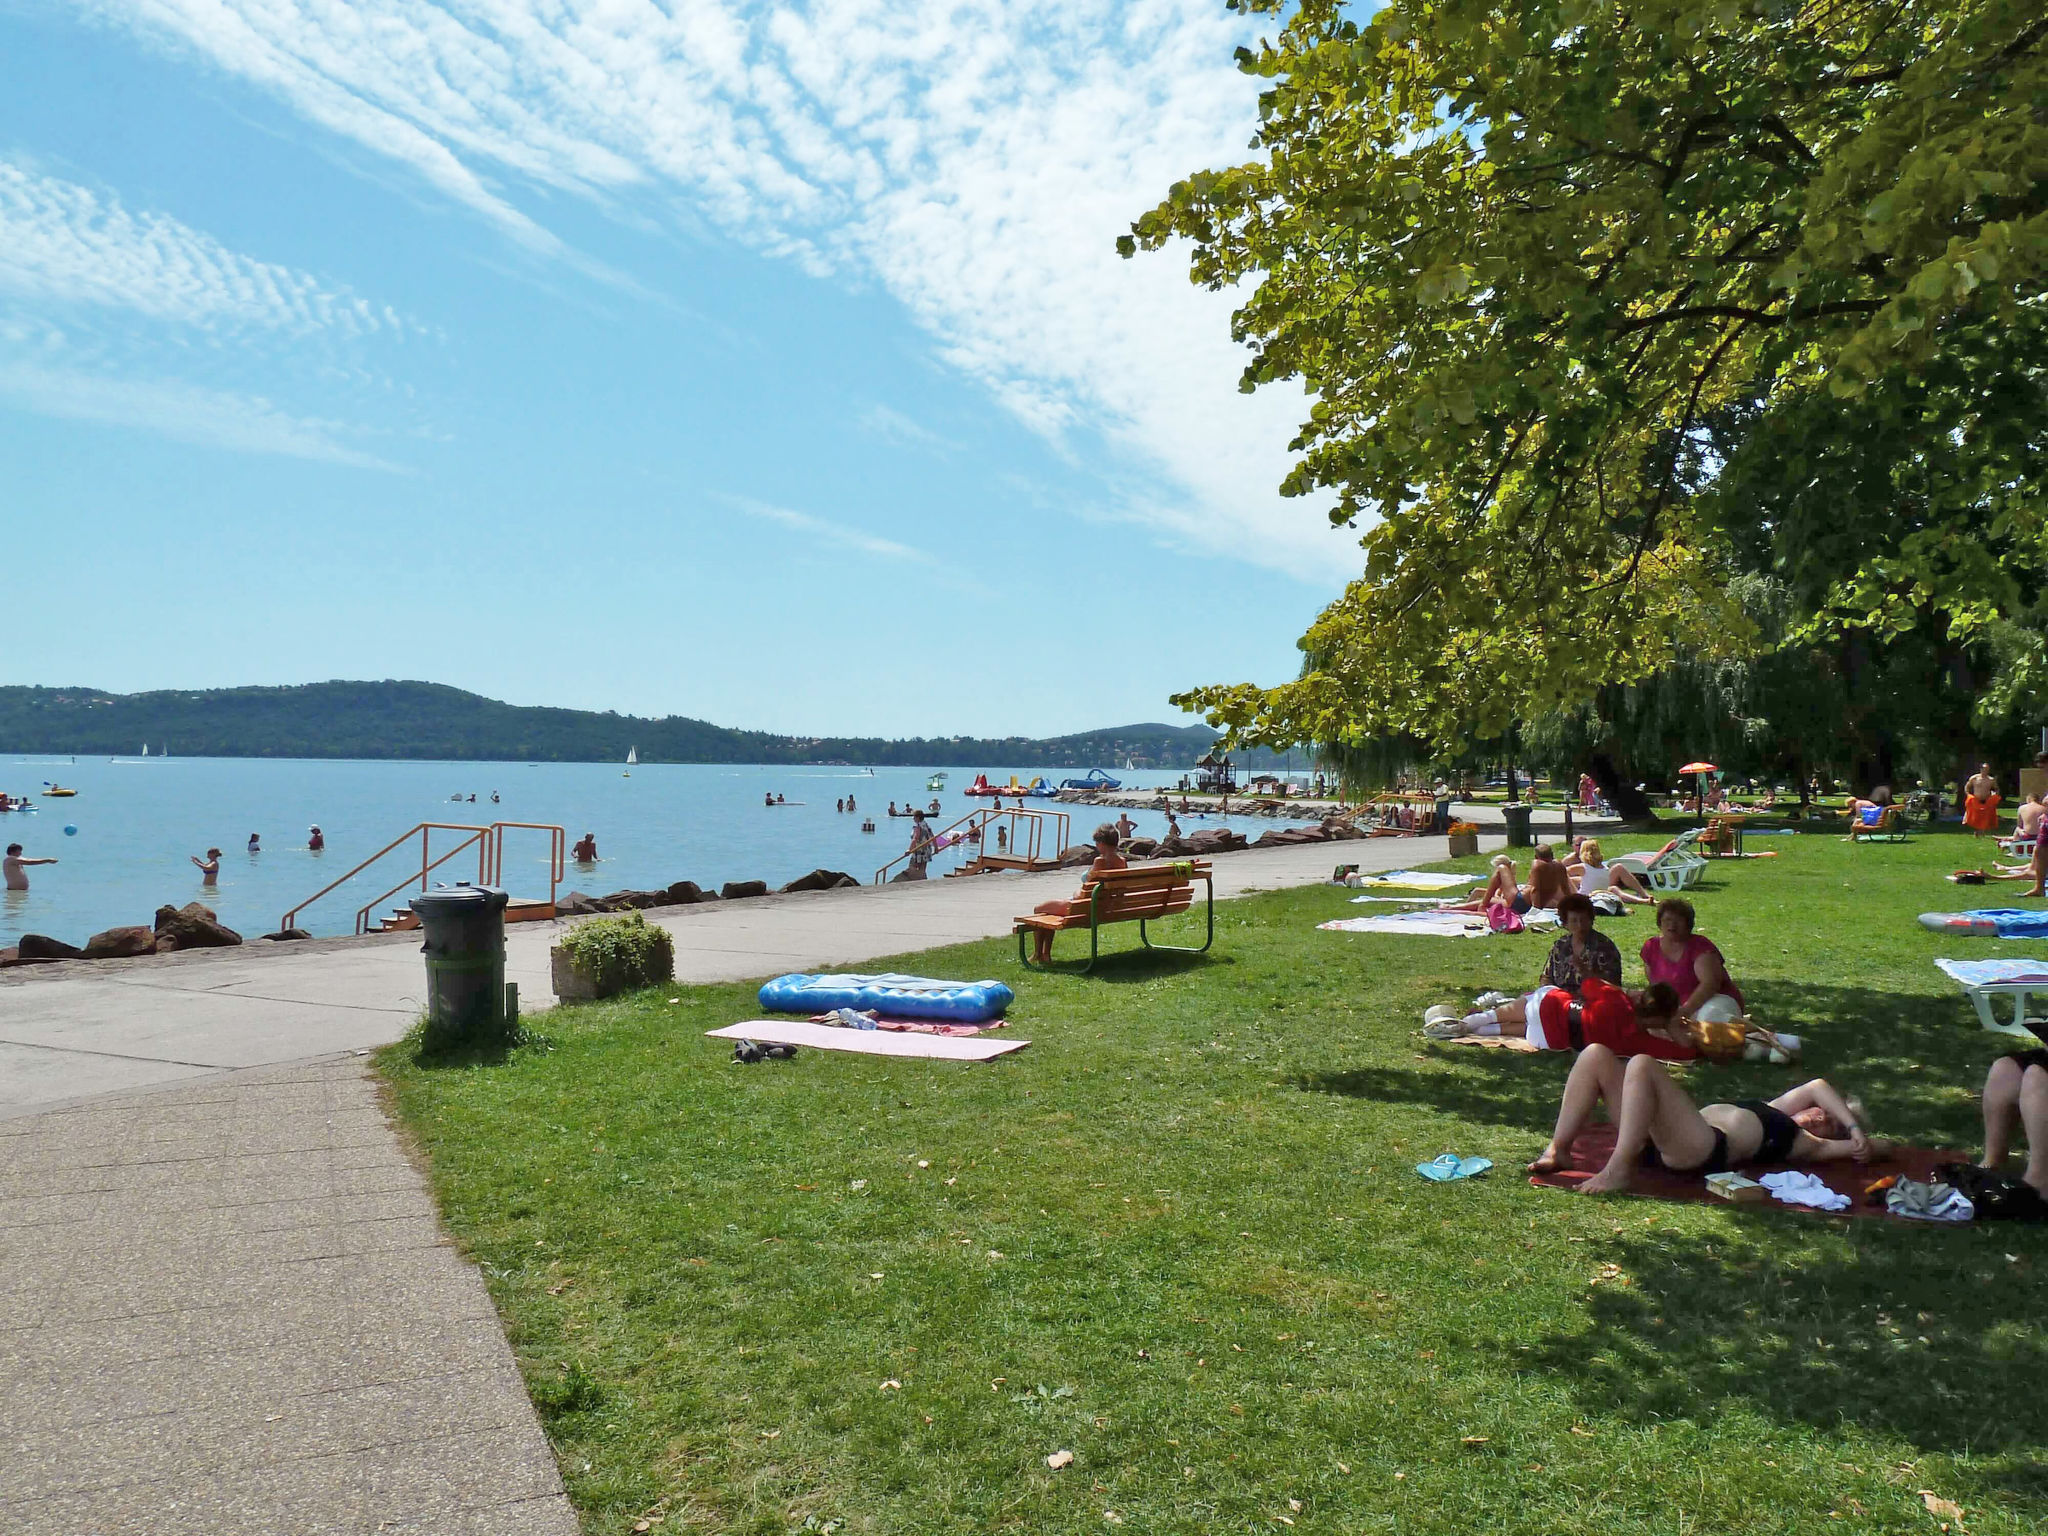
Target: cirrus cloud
(975,158)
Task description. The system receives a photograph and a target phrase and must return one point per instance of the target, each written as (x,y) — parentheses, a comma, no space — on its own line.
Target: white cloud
(836,534)
(891,424)
(975,157)
(187,412)
(65,244)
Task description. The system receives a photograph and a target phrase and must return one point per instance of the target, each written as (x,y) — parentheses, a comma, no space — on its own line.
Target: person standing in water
(255,843)
(315,841)
(585,852)
(209,867)
(14,864)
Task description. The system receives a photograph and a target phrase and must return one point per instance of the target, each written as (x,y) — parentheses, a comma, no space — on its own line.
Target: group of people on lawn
(1551,879)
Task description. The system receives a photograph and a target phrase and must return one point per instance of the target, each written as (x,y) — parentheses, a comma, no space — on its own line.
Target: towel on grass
(1986,973)
(1791,1187)
(866,1042)
(1436,925)
(1591,1151)
(1420,879)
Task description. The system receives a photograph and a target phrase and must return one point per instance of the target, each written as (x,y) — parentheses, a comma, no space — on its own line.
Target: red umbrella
(1699,804)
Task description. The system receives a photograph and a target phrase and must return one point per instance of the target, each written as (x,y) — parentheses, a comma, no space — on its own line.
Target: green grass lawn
(1181,1238)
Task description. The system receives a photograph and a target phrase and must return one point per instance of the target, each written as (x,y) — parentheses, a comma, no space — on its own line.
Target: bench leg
(1024,957)
(1208,908)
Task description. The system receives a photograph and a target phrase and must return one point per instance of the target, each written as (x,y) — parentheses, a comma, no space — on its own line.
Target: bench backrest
(1145,890)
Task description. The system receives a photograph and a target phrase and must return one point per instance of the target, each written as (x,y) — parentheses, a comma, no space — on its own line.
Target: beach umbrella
(1701,769)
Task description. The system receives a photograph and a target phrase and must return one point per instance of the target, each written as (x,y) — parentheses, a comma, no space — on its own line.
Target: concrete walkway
(226,1304)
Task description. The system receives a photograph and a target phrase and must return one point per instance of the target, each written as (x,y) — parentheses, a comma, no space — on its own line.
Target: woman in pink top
(1692,966)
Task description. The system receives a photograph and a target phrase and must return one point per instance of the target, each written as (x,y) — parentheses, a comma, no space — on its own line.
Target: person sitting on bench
(1106,858)
(1656,1123)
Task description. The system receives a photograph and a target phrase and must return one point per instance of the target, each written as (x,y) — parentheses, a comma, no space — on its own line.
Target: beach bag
(1726,1040)
(1502,918)
(1997,1196)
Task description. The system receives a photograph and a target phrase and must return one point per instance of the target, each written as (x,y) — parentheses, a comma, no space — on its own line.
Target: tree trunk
(1629,803)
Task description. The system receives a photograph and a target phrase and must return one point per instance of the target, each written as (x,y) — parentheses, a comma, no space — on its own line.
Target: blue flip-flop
(1449,1166)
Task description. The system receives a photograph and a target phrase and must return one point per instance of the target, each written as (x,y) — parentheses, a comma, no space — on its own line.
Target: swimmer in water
(209,867)
(585,852)
(13,865)
(255,843)
(315,841)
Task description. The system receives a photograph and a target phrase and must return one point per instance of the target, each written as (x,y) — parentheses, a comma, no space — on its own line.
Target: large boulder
(1080,856)
(39,946)
(286,935)
(687,893)
(1216,840)
(739,890)
(1140,848)
(121,943)
(191,926)
(576,904)
(627,901)
(822,880)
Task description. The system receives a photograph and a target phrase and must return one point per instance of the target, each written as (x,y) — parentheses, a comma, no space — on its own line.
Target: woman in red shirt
(1628,1023)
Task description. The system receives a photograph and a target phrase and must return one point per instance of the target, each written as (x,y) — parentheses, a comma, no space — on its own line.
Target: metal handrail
(483,871)
(425,829)
(558,851)
(983,817)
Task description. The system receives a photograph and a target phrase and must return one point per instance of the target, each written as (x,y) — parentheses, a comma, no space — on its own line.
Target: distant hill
(428,720)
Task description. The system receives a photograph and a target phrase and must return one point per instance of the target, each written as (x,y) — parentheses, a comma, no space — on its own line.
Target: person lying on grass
(1629,1023)
(2016,1094)
(1501,887)
(1106,858)
(1656,1123)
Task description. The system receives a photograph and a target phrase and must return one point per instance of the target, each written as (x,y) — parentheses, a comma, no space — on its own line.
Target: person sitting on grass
(1693,966)
(1656,1123)
(1106,859)
(2016,1094)
(1581,950)
(1629,1023)
(1597,875)
(1548,882)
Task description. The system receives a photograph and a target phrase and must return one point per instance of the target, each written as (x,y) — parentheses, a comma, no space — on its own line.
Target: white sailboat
(632,762)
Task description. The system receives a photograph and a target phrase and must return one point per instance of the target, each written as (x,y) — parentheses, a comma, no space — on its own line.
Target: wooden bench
(1139,894)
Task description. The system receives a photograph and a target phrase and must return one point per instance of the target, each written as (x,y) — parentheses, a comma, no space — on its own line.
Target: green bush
(618,954)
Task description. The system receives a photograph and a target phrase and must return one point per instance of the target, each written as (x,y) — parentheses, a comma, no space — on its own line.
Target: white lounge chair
(1677,868)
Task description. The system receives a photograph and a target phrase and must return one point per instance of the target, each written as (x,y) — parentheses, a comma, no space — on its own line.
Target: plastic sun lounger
(2020,989)
(1677,868)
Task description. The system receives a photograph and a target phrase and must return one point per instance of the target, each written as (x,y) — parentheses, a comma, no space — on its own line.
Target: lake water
(139,822)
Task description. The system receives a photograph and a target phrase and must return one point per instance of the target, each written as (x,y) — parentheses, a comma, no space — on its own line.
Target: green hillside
(427,720)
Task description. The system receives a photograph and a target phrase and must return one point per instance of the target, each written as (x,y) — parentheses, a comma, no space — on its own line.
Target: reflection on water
(139,823)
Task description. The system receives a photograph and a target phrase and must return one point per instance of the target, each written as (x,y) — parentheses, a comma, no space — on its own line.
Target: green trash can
(1517,818)
(464,928)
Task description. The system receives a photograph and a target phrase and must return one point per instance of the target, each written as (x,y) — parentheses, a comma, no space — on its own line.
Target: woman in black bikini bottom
(1655,1121)
(2016,1096)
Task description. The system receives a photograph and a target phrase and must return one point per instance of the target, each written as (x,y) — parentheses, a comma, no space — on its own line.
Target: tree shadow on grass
(1123,966)
(1923,1334)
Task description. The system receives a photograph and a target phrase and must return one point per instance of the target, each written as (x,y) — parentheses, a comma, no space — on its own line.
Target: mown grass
(1180,1237)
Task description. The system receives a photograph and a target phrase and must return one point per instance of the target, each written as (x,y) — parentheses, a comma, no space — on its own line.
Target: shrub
(617,954)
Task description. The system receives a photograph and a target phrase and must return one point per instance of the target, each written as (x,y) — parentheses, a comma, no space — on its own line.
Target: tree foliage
(1601,304)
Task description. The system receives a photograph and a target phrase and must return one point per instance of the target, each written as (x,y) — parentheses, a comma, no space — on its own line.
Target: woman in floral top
(1582,950)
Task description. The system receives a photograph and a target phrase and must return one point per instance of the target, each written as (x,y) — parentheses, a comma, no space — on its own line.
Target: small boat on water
(1096,779)
(632,762)
(56,791)
(936,782)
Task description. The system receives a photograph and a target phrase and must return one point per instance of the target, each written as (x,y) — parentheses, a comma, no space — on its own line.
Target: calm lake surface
(139,822)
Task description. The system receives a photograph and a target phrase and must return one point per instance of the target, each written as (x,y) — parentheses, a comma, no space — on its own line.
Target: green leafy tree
(1530,258)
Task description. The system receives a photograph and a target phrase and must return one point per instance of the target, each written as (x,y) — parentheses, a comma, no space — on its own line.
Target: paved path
(226,1304)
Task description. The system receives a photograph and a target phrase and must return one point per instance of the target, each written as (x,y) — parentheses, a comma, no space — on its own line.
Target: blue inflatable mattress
(892,996)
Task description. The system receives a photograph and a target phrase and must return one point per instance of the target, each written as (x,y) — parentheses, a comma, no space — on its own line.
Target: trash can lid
(455,899)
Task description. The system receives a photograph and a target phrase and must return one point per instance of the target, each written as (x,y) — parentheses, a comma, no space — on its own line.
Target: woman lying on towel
(1656,1123)
(1628,1023)
(1501,887)
(1106,858)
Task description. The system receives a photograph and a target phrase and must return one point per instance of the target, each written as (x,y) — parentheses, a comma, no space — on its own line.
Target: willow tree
(1524,254)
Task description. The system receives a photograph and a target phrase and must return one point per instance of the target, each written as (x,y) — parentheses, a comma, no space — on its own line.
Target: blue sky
(768,363)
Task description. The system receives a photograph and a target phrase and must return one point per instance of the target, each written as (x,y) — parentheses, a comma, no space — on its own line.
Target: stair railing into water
(489,843)
(1024,840)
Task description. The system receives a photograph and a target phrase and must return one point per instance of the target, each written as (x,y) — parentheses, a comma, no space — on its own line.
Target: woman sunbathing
(1656,1123)
(1551,1019)
(1501,887)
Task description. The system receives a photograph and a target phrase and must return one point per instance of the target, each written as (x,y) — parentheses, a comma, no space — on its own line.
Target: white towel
(1803,1189)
